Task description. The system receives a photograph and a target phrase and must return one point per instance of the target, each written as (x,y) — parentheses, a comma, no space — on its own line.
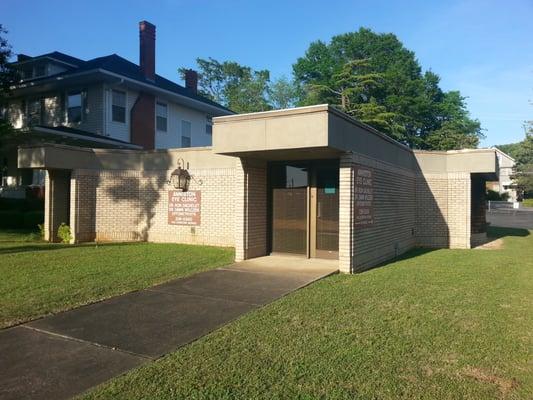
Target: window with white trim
(118,106)
(185,133)
(209,125)
(74,107)
(161,113)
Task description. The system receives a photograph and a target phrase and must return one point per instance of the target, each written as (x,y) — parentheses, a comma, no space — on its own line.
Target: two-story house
(104,102)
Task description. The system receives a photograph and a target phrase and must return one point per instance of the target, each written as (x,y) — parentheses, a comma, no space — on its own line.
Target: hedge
(15,219)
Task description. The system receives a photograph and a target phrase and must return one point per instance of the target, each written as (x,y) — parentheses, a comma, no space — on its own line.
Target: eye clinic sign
(364,197)
(184,208)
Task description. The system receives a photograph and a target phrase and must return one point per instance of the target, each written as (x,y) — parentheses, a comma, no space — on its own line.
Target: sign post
(184,208)
(364,197)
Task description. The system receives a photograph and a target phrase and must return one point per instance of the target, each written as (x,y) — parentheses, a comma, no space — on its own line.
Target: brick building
(310,181)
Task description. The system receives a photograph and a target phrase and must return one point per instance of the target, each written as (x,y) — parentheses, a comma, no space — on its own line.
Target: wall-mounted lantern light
(180,177)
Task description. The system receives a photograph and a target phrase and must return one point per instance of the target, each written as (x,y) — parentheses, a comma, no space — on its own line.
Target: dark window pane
(289,176)
(40,70)
(161,110)
(74,107)
(74,100)
(119,114)
(185,141)
(119,98)
(27,73)
(161,123)
(74,114)
(34,112)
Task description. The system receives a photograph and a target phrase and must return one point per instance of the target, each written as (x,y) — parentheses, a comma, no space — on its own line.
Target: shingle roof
(89,135)
(119,65)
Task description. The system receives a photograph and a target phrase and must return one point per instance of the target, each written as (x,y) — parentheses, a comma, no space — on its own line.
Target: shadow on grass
(413,253)
(498,232)
(44,246)
(493,232)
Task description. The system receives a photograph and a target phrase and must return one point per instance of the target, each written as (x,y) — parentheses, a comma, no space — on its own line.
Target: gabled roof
(118,65)
(55,55)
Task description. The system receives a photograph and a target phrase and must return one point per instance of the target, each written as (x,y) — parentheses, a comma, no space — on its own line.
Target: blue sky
(483,48)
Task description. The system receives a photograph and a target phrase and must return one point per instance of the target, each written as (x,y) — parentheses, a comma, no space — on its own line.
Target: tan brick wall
(443,210)
(133,205)
(394,214)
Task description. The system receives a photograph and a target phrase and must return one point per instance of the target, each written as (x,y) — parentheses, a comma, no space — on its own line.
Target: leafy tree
(376,79)
(522,152)
(457,130)
(235,86)
(524,162)
(282,93)
(512,148)
(7,76)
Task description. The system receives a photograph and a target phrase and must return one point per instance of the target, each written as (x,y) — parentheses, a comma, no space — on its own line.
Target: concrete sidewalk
(65,354)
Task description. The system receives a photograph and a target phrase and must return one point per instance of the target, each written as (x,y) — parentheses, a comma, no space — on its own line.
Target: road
(522,218)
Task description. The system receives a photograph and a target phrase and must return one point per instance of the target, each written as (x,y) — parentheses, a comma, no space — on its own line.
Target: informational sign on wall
(364,197)
(184,207)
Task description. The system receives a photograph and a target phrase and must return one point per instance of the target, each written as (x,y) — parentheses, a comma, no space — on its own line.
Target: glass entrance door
(326,227)
(289,185)
(304,208)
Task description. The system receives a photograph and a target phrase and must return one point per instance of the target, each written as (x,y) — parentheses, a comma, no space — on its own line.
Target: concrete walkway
(65,354)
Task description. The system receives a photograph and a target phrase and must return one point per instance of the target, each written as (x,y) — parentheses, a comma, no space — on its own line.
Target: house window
(185,134)
(74,109)
(27,72)
(40,70)
(34,112)
(161,116)
(118,106)
(209,125)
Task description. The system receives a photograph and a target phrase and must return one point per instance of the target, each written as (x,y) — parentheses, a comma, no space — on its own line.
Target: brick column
(346,222)
(250,209)
(459,204)
(83,205)
(57,202)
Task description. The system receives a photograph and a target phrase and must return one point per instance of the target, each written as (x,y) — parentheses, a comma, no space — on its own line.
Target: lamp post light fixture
(180,177)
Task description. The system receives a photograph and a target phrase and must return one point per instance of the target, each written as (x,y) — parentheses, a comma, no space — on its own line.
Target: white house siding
(172,138)
(113,129)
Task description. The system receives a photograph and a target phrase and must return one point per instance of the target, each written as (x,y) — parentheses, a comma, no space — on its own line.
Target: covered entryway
(304,208)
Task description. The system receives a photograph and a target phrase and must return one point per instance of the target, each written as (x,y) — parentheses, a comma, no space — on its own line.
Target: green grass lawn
(444,324)
(39,278)
(527,202)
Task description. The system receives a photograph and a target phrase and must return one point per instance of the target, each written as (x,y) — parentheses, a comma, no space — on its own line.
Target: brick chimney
(147,49)
(191,80)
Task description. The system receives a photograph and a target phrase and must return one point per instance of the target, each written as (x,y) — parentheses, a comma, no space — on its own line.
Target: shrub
(29,204)
(32,219)
(41,230)
(63,233)
(493,195)
(11,219)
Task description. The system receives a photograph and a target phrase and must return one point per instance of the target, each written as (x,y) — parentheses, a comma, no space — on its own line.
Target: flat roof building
(310,181)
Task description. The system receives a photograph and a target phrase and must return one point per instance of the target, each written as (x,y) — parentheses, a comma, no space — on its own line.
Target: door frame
(311,250)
